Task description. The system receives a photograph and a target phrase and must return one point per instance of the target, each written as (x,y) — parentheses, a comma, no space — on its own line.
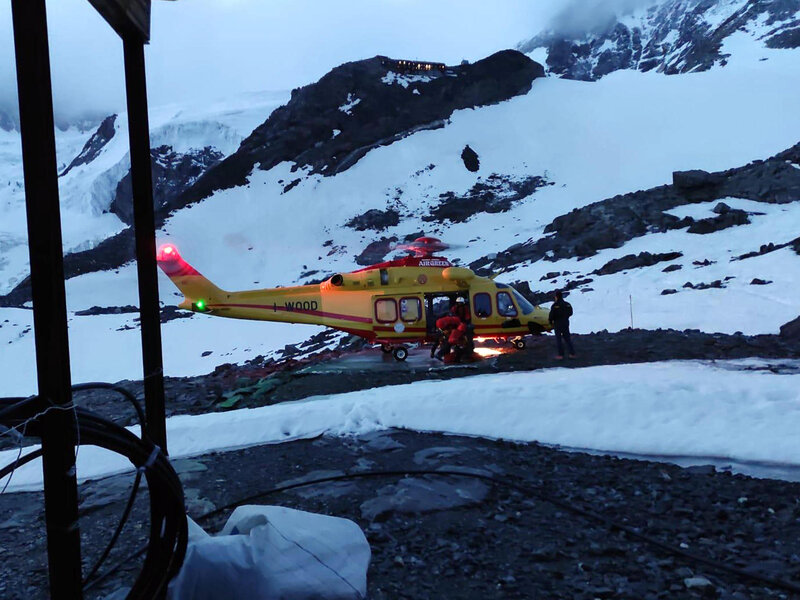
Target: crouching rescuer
(560,313)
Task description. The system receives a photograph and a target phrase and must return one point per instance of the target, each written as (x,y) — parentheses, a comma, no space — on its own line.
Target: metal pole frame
(144,227)
(49,297)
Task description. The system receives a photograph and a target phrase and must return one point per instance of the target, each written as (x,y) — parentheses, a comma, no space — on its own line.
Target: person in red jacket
(461,310)
(459,342)
(446,325)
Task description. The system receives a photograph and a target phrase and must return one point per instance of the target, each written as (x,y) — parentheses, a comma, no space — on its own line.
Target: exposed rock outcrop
(496,194)
(93,146)
(634,261)
(173,172)
(676,36)
(727,219)
(791,329)
(613,221)
(374,219)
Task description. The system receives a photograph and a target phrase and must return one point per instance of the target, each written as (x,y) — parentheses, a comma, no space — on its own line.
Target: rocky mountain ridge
(674,36)
(329,125)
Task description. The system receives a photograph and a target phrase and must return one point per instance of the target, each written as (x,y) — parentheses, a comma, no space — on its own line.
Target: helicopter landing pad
(419,359)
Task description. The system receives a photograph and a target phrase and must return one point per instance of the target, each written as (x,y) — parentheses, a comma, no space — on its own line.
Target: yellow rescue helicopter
(392,303)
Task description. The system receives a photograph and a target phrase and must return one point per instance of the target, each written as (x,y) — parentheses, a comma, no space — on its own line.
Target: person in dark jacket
(560,313)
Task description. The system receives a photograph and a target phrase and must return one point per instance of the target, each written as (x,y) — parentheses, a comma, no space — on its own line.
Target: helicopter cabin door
(438,305)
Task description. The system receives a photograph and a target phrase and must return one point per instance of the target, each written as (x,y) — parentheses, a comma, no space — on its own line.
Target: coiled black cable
(168,526)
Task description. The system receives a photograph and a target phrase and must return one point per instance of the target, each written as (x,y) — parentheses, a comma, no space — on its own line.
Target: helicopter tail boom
(197,290)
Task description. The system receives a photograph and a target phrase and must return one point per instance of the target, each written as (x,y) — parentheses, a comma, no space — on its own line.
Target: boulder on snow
(730,218)
(634,261)
(721,208)
(470,158)
(375,219)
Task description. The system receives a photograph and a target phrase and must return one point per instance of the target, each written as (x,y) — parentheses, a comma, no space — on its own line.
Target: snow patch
(404,79)
(351,103)
(721,409)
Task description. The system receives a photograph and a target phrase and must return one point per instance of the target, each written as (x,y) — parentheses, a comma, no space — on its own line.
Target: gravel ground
(456,537)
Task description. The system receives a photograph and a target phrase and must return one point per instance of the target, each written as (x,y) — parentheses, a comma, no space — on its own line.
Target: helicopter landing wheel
(519,344)
(386,348)
(400,353)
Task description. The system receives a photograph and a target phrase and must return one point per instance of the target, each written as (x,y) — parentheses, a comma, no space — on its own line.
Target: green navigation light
(201,305)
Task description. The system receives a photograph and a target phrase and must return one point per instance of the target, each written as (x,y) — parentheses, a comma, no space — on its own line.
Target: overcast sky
(208,49)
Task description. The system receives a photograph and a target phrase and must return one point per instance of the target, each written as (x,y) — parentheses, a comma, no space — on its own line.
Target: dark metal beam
(129,18)
(144,227)
(49,298)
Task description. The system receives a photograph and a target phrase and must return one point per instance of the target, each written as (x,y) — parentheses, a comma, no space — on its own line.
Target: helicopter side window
(505,306)
(482,303)
(386,310)
(410,309)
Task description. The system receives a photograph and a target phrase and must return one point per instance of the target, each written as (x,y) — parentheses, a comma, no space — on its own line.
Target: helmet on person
(460,300)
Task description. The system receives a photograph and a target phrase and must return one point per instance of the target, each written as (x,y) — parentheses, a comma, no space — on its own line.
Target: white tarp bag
(272,553)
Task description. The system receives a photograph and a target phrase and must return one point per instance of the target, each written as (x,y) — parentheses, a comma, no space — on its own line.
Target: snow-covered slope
(668,36)
(586,141)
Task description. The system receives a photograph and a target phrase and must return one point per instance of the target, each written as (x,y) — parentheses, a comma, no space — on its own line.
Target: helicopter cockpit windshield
(524,305)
